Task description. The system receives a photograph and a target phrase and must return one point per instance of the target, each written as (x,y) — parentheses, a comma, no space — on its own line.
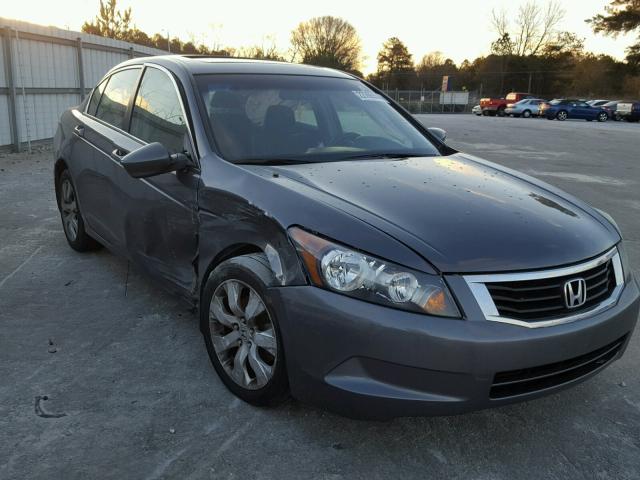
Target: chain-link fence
(435,101)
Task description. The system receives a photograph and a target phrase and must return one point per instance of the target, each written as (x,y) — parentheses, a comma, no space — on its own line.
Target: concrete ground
(102,375)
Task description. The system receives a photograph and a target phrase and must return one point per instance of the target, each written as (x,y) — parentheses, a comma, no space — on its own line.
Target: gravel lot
(130,392)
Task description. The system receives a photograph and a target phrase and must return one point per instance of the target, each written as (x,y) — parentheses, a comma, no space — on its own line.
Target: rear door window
(112,107)
(95,98)
(157,112)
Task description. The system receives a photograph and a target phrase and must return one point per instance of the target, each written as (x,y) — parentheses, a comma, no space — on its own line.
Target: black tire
(81,241)
(500,112)
(603,117)
(562,115)
(485,113)
(526,113)
(252,270)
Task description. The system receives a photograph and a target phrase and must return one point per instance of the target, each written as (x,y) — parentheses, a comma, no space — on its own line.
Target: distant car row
(526,105)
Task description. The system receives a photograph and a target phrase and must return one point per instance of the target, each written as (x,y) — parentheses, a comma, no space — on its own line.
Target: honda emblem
(575,293)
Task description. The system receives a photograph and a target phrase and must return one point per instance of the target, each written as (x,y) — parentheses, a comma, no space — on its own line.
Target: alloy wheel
(562,115)
(243,334)
(69,207)
(603,117)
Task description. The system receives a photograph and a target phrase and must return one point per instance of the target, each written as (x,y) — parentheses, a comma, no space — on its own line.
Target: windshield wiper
(294,161)
(272,161)
(365,156)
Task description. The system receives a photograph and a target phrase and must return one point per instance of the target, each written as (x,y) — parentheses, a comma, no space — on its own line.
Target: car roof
(203,64)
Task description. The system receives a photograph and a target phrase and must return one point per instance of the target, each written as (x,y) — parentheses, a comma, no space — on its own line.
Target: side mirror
(153,159)
(439,133)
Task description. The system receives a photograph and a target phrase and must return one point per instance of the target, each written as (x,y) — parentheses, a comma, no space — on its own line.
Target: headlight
(341,269)
(624,260)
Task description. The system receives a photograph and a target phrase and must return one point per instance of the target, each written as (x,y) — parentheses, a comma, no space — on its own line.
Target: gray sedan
(525,108)
(337,250)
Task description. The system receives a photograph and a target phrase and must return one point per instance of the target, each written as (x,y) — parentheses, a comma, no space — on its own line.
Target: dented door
(160,225)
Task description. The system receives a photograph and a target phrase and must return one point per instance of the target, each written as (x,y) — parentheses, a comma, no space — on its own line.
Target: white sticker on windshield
(368,95)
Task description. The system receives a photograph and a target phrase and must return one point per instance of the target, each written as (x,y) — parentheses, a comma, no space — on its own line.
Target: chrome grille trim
(480,292)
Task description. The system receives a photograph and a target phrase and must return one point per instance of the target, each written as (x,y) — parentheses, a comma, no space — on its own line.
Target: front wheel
(72,221)
(562,115)
(603,117)
(501,112)
(241,331)
(526,113)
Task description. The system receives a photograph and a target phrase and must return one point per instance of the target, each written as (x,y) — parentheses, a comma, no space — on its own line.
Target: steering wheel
(348,139)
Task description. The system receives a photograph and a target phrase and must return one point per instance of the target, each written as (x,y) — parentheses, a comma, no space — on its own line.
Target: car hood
(460,214)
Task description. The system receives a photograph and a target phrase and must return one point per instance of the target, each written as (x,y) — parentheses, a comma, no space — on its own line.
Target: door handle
(118,152)
(79,129)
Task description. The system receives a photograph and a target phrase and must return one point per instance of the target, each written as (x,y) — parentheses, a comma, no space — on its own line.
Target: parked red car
(496,106)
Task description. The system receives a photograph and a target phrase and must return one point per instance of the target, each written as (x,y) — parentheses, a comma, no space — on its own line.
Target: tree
(532,29)
(621,16)
(432,68)
(268,50)
(594,75)
(395,65)
(110,22)
(564,43)
(327,42)
(394,57)
(113,23)
(503,46)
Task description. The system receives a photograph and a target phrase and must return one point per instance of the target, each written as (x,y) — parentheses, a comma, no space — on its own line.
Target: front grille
(543,299)
(529,380)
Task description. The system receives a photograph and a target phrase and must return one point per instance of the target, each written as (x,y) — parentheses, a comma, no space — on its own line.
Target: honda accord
(339,251)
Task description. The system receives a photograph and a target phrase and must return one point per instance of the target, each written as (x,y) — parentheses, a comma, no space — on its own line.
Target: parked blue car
(562,109)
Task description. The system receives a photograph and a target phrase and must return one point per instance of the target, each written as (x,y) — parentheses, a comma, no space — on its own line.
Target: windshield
(263,118)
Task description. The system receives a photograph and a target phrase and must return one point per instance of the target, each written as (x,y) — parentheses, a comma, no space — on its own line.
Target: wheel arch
(230,251)
(59,166)
(275,256)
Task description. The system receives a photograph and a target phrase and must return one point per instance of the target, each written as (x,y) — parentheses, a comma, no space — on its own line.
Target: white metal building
(45,70)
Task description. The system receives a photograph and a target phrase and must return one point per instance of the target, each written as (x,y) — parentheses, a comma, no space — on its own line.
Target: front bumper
(633,116)
(364,360)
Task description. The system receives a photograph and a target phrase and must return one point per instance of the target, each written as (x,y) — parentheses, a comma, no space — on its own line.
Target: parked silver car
(525,108)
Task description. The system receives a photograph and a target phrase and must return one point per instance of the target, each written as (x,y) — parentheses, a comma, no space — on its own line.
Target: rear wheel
(501,112)
(72,221)
(562,115)
(526,113)
(603,117)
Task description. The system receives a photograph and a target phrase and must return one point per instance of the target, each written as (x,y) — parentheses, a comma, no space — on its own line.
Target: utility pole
(168,40)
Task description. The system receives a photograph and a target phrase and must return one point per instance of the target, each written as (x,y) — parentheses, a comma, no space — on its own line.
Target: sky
(460,29)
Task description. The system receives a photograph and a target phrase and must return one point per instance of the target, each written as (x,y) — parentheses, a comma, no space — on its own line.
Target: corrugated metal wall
(44,70)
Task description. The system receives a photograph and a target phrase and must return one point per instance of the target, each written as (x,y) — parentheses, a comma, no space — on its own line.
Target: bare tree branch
(533,28)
